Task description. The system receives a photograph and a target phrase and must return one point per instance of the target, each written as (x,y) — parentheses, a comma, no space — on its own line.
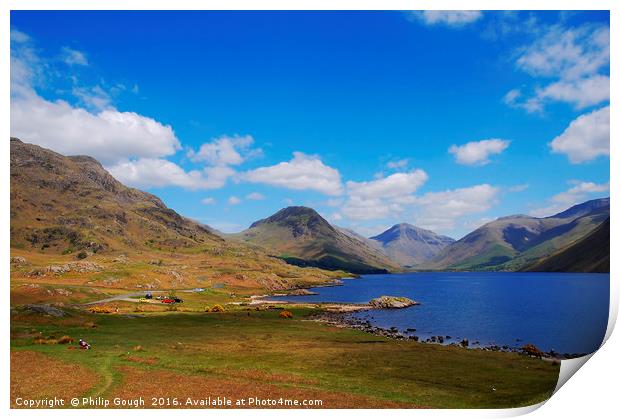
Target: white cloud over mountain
(225,151)
(302,172)
(109,135)
(441,211)
(392,186)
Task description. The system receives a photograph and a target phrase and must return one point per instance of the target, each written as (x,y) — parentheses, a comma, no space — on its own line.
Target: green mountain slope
(589,254)
(511,243)
(301,236)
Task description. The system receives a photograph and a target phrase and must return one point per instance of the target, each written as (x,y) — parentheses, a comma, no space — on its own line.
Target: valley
(85,248)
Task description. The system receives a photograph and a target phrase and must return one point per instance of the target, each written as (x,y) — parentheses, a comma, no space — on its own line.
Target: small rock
(18,260)
(44,309)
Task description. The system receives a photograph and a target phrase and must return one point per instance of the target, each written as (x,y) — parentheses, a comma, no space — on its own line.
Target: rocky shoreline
(343,320)
(338,315)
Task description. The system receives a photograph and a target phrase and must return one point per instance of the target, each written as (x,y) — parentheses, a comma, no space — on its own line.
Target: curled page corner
(568,368)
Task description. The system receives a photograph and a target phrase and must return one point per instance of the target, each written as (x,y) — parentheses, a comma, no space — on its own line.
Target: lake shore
(338,315)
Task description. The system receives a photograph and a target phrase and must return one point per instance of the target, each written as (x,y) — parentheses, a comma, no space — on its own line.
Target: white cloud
(453,18)
(398,164)
(512,96)
(334,202)
(209,201)
(94,98)
(255,196)
(581,92)
(159,173)
(577,194)
(382,197)
(74,57)
(392,186)
(132,147)
(576,58)
(225,150)
(19,37)
(567,53)
(336,216)
(440,211)
(357,208)
(303,172)
(586,138)
(233,200)
(478,152)
(109,136)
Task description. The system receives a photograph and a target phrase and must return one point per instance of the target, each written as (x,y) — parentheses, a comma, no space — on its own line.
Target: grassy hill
(301,236)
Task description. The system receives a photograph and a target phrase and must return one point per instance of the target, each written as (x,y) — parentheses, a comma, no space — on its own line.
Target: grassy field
(246,353)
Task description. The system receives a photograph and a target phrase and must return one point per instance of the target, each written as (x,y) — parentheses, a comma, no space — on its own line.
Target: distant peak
(406,230)
(294,215)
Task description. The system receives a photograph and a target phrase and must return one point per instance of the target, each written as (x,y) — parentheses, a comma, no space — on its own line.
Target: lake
(561,311)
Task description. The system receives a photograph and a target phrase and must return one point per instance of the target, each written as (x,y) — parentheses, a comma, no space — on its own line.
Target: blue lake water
(560,311)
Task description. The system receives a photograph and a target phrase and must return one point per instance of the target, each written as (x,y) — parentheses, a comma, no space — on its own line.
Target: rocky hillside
(67,204)
(511,243)
(411,246)
(65,209)
(301,236)
(589,254)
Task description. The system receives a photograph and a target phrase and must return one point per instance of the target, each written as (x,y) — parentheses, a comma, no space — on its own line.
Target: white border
(592,393)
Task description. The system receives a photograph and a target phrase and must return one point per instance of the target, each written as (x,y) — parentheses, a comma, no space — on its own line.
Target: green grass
(342,360)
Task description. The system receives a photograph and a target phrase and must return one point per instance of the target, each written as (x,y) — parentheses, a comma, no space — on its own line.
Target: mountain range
(64,205)
(511,243)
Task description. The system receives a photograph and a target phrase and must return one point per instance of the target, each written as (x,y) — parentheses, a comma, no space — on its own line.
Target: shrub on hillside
(532,350)
(100,310)
(81,255)
(45,341)
(65,339)
(285,314)
(217,309)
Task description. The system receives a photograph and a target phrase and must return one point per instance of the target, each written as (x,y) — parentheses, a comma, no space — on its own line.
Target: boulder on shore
(386,301)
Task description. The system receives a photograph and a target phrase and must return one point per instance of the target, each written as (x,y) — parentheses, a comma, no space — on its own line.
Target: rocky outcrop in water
(386,301)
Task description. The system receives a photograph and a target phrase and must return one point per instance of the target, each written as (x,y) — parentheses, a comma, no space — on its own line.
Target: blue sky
(445,120)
